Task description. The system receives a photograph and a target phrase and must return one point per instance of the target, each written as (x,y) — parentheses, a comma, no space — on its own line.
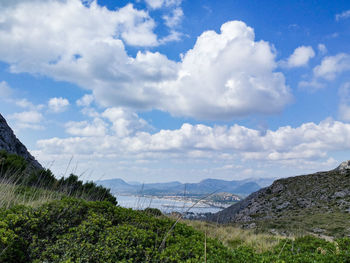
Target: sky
(178,90)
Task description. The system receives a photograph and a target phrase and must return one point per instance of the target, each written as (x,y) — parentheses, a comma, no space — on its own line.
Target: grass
(234,237)
(335,224)
(11,195)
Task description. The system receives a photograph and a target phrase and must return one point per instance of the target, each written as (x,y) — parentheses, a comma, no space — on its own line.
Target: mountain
(10,143)
(319,199)
(207,186)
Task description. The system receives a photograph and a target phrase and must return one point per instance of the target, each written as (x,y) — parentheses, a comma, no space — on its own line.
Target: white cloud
(175,18)
(85,22)
(343,15)
(85,101)
(203,148)
(309,141)
(332,66)
(225,75)
(58,105)
(173,36)
(124,122)
(27,120)
(300,57)
(24,103)
(5,90)
(97,128)
(155,4)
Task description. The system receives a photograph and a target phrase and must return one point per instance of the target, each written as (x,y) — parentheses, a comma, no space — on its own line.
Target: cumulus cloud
(173,36)
(95,129)
(309,141)
(117,140)
(343,15)
(58,105)
(25,103)
(225,75)
(175,18)
(300,57)
(124,123)
(85,101)
(155,4)
(332,66)
(228,74)
(27,120)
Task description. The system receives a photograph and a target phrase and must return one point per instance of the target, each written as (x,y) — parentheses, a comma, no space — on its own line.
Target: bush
(74,230)
(153,211)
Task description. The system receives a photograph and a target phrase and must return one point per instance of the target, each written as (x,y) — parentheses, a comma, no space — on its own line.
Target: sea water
(166,205)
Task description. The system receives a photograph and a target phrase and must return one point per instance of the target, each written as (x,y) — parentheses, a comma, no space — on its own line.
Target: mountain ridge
(11,144)
(321,193)
(206,186)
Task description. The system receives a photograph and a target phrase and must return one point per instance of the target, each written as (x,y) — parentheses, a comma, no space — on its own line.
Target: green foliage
(13,170)
(11,165)
(153,211)
(74,230)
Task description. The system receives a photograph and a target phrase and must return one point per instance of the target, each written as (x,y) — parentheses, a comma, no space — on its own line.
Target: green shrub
(74,230)
(153,211)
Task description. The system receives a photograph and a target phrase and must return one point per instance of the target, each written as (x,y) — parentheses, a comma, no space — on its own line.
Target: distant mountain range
(207,186)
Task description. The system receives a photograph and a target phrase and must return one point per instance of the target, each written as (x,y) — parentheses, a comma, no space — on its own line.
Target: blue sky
(162,90)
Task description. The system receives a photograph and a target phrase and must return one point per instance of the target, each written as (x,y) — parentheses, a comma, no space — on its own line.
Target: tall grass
(234,237)
(12,194)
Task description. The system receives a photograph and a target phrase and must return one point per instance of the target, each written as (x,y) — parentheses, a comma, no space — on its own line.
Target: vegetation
(43,219)
(235,237)
(75,230)
(329,225)
(14,170)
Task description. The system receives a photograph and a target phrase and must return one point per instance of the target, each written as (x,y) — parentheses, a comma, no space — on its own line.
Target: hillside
(10,143)
(318,203)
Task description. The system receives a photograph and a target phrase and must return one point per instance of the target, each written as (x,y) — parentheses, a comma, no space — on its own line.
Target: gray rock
(318,230)
(249,226)
(277,187)
(273,231)
(340,194)
(283,205)
(344,167)
(10,143)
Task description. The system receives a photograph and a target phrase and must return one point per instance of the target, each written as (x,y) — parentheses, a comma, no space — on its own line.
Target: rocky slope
(10,143)
(321,193)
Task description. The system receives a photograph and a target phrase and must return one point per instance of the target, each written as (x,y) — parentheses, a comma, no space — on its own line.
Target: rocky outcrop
(344,167)
(323,191)
(10,143)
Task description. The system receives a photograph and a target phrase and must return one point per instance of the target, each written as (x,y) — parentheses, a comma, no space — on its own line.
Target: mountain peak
(344,166)
(10,143)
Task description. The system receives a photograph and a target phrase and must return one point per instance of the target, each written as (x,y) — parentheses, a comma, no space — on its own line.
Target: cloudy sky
(162,90)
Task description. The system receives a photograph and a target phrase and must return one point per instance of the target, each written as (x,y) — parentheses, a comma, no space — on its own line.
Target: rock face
(344,167)
(10,143)
(323,191)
